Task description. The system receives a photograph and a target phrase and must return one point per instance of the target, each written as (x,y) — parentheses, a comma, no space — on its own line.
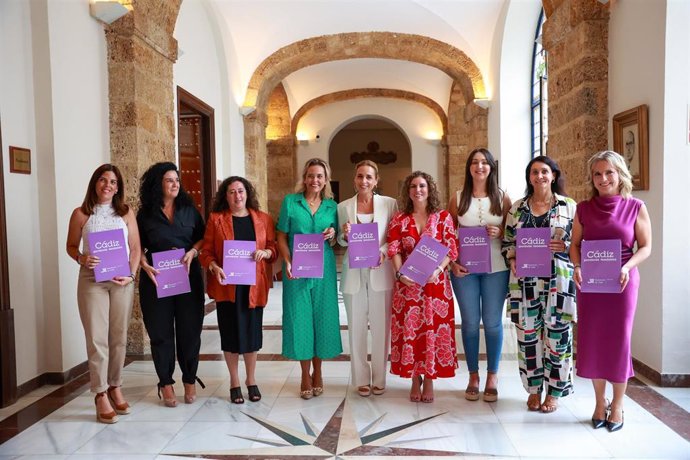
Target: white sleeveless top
(479,215)
(104,217)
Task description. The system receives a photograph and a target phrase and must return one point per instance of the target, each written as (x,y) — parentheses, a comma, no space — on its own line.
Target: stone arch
(365,93)
(316,50)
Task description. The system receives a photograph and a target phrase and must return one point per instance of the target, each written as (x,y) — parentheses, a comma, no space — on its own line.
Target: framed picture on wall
(631,139)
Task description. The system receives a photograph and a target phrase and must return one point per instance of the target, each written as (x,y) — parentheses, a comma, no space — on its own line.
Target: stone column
(141,54)
(575,36)
(255,153)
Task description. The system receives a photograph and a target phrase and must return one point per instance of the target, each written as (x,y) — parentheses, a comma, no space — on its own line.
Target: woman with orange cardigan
(236,216)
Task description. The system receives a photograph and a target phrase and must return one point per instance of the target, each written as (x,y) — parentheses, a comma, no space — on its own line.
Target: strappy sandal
(416,397)
(490,394)
(109,417)
(472,391)
(428,398)
(253,393)
(364,390)
(317,391)
(549,405)
(534,402)
(236,395)
(169,401)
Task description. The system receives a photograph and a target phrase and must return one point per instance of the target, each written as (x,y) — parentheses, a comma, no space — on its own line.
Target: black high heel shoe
(601,423)
(615,426)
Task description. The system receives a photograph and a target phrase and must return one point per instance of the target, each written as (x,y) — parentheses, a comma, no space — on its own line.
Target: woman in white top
(105,307)
(481,203)
(367,291)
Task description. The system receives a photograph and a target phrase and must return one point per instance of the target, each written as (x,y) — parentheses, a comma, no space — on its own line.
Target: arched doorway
(372,138)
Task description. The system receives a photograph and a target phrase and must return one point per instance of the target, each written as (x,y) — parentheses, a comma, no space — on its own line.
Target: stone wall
(280,149)
(141,54)
(575,35)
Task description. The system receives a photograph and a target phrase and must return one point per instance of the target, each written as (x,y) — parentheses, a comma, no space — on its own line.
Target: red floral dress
(423,320)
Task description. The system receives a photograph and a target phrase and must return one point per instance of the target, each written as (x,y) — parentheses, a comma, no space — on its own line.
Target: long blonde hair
(326,192)
(616,160)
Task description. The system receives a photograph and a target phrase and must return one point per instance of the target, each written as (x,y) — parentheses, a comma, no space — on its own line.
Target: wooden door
(191,159)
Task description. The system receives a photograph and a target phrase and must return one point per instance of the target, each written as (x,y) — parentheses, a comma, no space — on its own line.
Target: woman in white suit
(367,292)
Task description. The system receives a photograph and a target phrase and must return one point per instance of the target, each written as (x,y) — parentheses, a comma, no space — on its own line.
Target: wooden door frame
(8,358)
(208,159)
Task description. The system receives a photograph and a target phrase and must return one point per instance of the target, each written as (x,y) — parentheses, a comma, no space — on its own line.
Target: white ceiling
(258,28)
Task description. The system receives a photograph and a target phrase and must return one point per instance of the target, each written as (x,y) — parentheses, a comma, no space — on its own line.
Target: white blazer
(382,278)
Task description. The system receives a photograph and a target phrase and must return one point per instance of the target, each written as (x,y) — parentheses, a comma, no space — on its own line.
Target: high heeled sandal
(428,398)
(121,409)
(472,391)
(236,395)
(168,402)
(318,391)
(534,402)
(416,397)
(110,417)
(190,391)
(364,390)
(253,393)
(378,390)
(490,394)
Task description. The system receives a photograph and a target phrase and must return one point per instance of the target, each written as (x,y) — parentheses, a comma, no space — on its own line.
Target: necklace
(545,218)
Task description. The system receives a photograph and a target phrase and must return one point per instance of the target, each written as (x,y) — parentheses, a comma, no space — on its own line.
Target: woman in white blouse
(367,291)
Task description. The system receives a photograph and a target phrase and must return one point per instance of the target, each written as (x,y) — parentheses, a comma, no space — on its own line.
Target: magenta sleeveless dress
(605,321)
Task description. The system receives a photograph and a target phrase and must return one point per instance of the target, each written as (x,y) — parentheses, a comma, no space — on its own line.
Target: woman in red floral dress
(422,323)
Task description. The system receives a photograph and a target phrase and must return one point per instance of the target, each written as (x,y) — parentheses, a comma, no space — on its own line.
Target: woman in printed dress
(422,323)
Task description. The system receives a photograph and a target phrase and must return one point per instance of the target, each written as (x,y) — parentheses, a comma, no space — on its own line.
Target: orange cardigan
(218,229)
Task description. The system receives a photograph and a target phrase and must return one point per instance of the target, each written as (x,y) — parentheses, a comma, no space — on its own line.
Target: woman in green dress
(311,329)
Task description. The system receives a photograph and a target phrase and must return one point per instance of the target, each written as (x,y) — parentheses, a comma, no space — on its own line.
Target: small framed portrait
(20,160)
(631,139)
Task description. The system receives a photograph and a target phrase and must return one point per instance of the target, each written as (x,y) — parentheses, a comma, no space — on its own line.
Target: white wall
(648,64)
(201,70)
(676,172)
(414,119)
(509,114)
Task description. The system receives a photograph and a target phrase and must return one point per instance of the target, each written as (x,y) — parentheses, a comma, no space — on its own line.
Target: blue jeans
(482,296)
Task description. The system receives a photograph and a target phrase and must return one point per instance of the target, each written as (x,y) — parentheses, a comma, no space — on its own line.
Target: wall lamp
(107,11)
(247,109)
(483,103)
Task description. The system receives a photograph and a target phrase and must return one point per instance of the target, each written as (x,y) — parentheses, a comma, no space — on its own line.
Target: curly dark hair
(91,199)
(151,189)
(433,203)
(558,184)
(220,201)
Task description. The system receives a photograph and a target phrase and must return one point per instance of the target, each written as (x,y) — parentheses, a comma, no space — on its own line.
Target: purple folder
(111,247)
(533,256)
(238,264)
(307,255)
(425,258)
(475,250)
(172,275)
(601,266)
(363,246)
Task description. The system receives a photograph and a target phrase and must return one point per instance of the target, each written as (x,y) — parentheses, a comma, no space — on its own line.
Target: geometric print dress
(422,320)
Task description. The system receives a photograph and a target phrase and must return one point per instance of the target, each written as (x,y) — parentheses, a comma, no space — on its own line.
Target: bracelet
(576,266)
(398,275)
(196,251)
(79,254)
(131,275)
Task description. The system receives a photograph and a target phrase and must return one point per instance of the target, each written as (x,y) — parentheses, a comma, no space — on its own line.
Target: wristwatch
(398,275)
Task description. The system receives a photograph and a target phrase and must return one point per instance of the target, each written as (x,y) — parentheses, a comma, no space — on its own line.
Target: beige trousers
(368,314)
(104,309)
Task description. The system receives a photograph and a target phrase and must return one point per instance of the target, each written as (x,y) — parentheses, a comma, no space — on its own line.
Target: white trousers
(368,311)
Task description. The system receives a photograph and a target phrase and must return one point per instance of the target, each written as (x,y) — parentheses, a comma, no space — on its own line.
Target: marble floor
(341,424)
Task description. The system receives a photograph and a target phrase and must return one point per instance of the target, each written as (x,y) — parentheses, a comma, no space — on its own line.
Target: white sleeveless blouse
(479,215)
(104,217)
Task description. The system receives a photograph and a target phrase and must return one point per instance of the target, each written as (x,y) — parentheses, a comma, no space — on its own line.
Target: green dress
(311,327)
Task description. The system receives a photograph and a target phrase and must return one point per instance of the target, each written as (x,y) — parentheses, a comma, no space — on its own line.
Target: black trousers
(174,324)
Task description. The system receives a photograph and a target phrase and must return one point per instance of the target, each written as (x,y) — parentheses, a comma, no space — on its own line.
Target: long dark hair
(91,198)
(558,184)
(433,203)
(151,189)
(220,201)
(492,189)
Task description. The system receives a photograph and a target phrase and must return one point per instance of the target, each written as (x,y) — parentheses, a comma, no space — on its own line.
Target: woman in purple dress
(605,321)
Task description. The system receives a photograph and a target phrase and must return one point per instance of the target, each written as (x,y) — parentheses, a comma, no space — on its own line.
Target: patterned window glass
(539,93)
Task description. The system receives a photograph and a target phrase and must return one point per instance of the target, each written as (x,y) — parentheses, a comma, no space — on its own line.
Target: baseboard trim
(52,378)
(663,380)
